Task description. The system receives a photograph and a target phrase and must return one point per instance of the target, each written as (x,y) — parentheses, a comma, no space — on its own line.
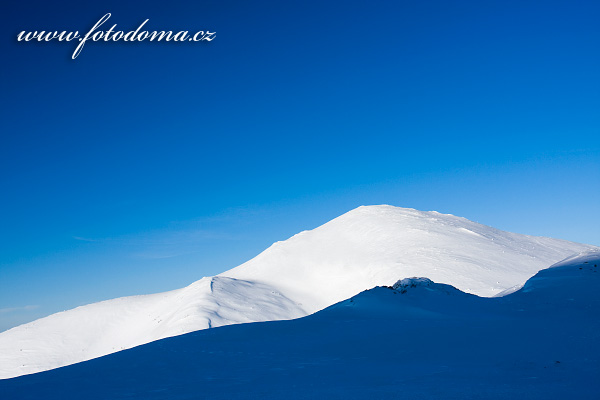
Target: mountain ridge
(421,340)
(366,247)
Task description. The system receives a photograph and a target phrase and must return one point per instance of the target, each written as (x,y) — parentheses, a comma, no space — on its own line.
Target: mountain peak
(389,210)
(376,245)
(367,247)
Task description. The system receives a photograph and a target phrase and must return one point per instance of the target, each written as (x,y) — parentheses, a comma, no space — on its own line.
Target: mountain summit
(366,247)
(378,245)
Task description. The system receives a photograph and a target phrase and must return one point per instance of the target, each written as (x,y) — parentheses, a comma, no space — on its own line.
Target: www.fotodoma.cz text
(114,35)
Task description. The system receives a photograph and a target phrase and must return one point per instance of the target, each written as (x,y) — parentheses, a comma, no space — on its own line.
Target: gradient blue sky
(139,168)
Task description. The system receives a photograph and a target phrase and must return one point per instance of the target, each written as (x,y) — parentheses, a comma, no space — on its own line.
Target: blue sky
(142,167)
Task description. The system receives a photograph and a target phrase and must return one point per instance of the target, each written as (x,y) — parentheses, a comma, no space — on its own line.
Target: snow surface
(421,340)
(366,247)
(101,328)
(377,245)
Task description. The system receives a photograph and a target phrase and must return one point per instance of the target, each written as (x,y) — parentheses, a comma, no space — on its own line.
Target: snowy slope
(377,245)
(363,248)
(101,328)
(421,340)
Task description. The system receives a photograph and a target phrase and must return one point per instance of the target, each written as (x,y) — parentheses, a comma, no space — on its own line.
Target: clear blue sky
(139,168)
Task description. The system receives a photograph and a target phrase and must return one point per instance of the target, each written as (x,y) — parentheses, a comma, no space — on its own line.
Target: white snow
(102,328)
(421,340)
(367,247)
(377,245)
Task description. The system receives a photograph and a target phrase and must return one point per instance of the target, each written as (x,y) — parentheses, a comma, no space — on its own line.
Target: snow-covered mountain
(417,340)
(376,245)
(101,328)
(366,247)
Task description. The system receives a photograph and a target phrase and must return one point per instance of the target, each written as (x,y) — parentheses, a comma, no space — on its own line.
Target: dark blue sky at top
(140,167)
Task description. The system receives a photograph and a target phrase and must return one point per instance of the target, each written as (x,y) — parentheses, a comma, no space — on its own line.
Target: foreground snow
(363,248)
(421,340)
